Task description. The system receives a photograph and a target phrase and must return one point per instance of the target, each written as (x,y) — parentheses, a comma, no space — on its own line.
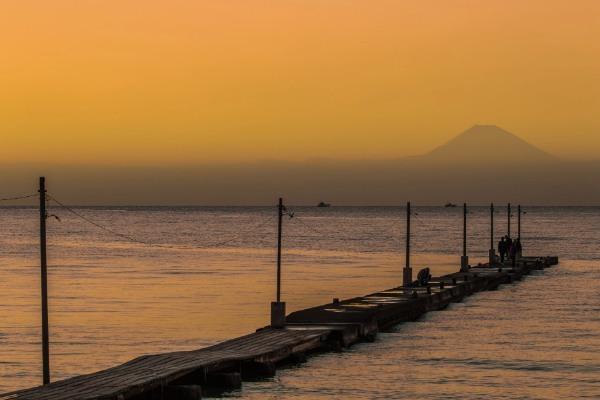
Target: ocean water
(129,281)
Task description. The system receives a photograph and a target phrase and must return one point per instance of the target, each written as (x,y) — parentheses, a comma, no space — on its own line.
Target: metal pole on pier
(492,251)
(519,221)
(280,208)
(464,260)
(44,279)
(278,307)
(407,272)
(508,229)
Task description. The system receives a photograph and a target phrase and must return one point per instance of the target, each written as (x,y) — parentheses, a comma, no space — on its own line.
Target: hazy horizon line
(459,206)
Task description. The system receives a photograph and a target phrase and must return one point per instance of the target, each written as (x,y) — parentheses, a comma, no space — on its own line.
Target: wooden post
(464,260)
(508,229)
(278,307)
(407,272)
(492,251)
(44,279)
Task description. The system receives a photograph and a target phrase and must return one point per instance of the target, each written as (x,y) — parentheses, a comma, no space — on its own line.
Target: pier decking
(183,375)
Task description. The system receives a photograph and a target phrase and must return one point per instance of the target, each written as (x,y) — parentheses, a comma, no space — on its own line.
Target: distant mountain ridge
(482,165)
(490,144)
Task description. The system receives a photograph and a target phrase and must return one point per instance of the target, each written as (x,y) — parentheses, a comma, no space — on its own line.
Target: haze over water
(210,276)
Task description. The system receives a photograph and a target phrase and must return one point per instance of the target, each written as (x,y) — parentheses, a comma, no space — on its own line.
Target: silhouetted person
(509,242)
(423,277)
(512,252)
(502,249)
(519,248)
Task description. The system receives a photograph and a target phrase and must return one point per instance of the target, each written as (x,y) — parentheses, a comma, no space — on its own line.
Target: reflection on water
(535,339)
(111,300)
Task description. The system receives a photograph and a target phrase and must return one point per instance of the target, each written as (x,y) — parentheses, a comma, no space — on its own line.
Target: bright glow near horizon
(231,80)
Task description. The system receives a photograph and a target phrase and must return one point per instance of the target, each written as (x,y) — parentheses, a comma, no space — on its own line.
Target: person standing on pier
(509,242)
(519,248)
(502,249)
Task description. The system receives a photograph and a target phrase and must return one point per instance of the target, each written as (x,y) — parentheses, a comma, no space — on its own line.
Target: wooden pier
(184,375)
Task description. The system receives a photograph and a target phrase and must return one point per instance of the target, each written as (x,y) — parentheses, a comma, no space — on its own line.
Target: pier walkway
(184,375)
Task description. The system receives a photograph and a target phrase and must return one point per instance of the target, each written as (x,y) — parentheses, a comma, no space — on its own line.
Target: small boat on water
(321,204)
(450,205)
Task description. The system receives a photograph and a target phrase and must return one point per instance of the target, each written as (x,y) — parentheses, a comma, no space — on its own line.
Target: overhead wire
(382,234)
(19,197)
(379,235)
(389,228)
(418,217)
(245,233)
(123,236)
(310,227)
(138,241)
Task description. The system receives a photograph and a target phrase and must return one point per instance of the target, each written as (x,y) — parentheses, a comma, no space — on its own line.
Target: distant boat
(450,205)
(321,204)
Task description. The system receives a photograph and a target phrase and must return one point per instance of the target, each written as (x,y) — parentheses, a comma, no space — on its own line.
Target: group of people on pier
(510,248)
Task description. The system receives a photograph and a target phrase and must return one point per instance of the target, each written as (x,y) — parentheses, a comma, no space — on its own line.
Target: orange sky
(189,81)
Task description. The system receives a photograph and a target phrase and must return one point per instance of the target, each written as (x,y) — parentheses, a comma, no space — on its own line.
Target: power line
(418,218)
(379,234)
(243,233)
(134,240)
(389,228)
(311,228)
(19,197)
(100,226)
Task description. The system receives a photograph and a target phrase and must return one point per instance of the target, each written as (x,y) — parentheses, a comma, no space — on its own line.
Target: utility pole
(508,233)
(464,260)
(492,251)
(519,222)
(280,208)
(407,272)
(44,279)
(278,307)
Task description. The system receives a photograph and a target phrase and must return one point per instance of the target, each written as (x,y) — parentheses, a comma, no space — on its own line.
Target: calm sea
(129,281)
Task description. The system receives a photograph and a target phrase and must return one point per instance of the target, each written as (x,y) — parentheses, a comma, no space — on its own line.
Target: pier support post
(464,259)
(183,392)
(278,314)
(464,263)
(492,259)
(407,272)
(229,380)
(254,370)
(44,281)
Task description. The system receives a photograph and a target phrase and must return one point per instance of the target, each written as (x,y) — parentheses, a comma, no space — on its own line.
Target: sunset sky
(189,82)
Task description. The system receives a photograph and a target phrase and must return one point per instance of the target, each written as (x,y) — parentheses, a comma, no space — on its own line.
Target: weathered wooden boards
(148,373)
(180,375)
